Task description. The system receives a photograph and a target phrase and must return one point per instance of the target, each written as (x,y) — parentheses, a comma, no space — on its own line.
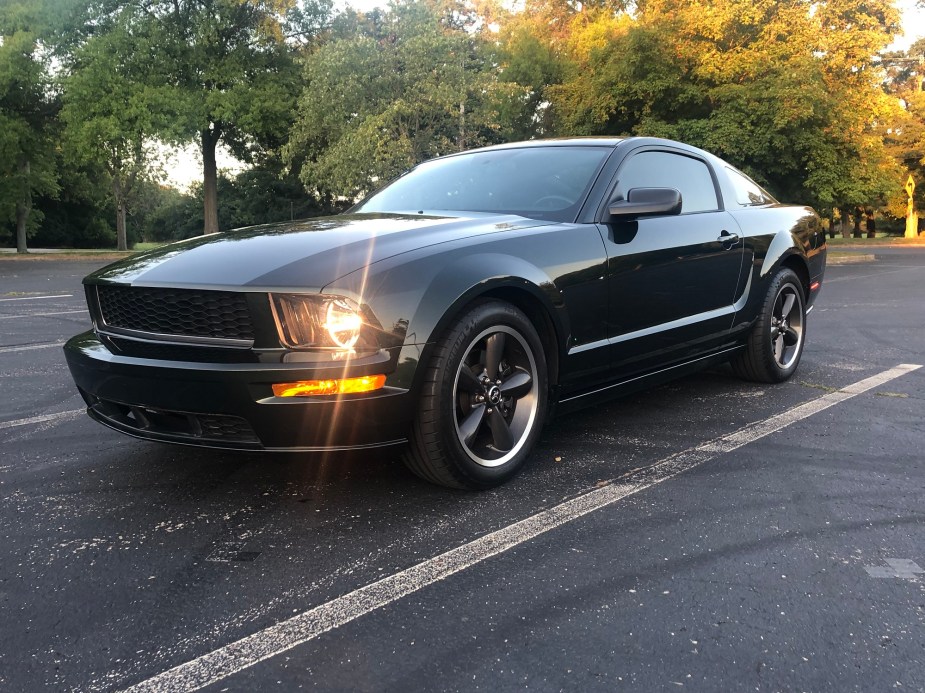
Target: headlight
(343,324)
(316,320)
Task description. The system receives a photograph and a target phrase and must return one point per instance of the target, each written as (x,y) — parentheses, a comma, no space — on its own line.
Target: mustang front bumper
(231,405)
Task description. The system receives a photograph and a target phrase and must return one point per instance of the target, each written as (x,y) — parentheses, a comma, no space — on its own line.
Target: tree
(789,91)
(905,136)
(225,69)
(267,193)
(532,64)
(540,47)
(390,90)
(112,115)
(27,154)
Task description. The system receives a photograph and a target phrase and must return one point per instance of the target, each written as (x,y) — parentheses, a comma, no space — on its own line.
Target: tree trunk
(462,126)
(845,223)
(209,181)
(117,192)
(23,208)
(122,228)
(22,216)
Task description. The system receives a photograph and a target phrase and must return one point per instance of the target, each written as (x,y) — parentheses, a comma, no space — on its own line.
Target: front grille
(181,312)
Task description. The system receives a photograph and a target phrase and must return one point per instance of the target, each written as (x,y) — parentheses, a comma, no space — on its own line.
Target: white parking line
(41,315)
(63,415)
(246,652)
(30,347)
(36,298)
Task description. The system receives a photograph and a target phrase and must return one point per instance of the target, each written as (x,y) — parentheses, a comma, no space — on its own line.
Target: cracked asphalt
(791,563)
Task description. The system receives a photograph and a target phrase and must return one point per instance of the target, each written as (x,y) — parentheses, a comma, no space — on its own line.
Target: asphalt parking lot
(710,534)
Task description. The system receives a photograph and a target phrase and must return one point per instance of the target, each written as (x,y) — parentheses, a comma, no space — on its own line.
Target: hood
(308,254)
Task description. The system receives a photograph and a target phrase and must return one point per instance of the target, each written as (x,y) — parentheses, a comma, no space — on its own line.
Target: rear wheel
(483,402)
(775,344)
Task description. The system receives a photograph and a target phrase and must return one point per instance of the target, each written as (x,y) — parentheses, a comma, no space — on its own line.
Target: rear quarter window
(747,192)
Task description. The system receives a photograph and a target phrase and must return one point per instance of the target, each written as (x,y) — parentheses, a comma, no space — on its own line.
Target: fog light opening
(345,386)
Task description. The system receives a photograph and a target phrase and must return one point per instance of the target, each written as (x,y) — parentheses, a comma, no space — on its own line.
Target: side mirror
(641,202)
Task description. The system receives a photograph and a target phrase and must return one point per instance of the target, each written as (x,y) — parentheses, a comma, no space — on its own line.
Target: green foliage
(530,64)
(203,71)
(396,89)
(230,67)
(265,194)
(115,102)
(260,195)
(787,90)
(173,216)
(81,215)
(27,154)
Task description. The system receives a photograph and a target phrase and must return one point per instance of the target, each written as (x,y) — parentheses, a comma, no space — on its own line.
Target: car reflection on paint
(456,309)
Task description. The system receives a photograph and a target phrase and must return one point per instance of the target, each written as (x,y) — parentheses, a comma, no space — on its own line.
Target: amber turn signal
(346,386)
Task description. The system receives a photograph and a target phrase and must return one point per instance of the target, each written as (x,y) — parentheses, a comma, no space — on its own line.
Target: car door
(671,279)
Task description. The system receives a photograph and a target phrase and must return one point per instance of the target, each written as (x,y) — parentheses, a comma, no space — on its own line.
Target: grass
(881,239)
(81,253)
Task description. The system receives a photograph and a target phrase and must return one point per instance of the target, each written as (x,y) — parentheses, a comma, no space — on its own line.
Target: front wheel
(483,401)
(775,343)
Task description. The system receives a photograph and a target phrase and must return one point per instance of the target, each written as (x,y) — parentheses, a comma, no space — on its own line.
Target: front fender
(416,301)
(472,276)
(555,273)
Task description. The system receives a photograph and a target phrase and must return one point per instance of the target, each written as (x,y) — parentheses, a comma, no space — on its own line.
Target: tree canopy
(802,95)
(774,87)
(390,90)
(205,71)
(27,152)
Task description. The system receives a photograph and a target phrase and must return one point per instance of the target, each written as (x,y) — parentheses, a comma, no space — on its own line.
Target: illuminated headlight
(342,324)
(315,320)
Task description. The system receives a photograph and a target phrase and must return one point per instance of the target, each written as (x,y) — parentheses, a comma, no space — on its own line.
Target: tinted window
(544,182)
(747,192)
(691,177)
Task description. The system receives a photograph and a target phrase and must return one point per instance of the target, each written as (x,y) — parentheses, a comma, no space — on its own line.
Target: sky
(913,24)
(185,166)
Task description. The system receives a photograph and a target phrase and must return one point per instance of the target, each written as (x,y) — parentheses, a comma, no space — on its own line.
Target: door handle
(728,239)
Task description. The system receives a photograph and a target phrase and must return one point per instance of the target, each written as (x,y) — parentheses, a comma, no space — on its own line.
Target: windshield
(539,182)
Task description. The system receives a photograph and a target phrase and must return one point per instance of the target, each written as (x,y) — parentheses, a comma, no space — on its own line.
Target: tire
(483,400)
(775,343)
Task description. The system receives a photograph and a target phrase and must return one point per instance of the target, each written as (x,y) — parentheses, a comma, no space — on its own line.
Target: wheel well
(542,321)
(798,265)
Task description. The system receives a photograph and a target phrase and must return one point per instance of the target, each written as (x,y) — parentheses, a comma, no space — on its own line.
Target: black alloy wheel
(484,401)
(496,396)
(786,331)
(775,343)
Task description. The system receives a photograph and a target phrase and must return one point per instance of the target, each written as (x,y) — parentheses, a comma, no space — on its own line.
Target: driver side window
(653,169)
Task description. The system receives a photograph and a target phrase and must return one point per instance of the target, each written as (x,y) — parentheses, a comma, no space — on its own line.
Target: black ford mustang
(453,310)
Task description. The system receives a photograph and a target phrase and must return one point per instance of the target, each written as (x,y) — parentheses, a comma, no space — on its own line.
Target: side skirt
(574,402)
